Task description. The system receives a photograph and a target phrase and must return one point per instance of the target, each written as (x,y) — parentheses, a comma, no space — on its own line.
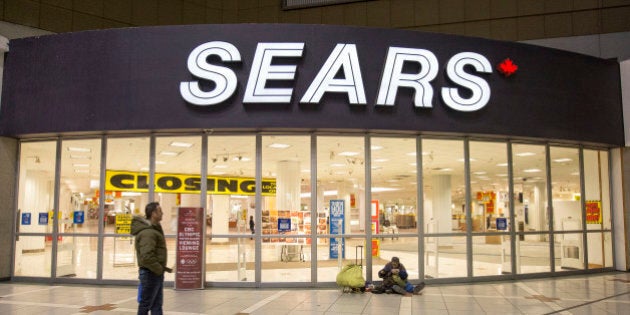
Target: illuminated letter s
(479,87)
(223,77)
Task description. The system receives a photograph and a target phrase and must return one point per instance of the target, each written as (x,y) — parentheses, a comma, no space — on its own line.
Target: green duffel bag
(351,276)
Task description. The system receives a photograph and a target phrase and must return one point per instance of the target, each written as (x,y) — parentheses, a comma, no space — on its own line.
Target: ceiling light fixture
(181,144)
(76,149)
(279,146)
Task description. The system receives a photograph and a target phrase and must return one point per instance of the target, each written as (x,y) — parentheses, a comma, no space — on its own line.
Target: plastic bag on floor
(351,276)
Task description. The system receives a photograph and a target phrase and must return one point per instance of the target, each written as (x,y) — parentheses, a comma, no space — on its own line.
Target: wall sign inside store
(187,184)
(343,59)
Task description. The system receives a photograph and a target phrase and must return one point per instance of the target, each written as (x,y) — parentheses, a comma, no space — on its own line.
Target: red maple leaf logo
(507,67)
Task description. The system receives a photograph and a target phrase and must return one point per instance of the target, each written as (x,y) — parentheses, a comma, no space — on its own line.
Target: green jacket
(150,245)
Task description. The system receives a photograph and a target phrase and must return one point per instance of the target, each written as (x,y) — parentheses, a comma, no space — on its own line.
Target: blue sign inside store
(79,217)
(337,219)
(501,224)
(26,219)
(284,224)
(43,218)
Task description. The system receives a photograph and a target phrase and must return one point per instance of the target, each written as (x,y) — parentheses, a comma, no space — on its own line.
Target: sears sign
(342,59)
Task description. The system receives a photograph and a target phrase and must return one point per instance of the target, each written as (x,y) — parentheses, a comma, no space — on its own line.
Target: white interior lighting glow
(94,183)
(383,189)
(502,164)
(169,153)
(411,154)
(131,194)
(479,173)
(337,165)
(76,149)
(81,165)
(531,170)
(380,160)
(217,173)
(376,147)
(562,160)
(279,146)
(81,171)
(160,162)
(181,144)
(80,157)
(525,154)
(348,153)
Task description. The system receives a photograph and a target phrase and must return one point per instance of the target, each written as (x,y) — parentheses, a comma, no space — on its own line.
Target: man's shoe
(417,289)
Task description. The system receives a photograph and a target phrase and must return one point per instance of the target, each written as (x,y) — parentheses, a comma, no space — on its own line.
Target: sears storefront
(467,158)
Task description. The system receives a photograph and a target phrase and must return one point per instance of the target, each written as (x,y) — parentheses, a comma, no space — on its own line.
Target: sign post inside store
(189,253)
(337,249)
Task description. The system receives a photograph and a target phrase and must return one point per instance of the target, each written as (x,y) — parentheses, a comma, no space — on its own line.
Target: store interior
(291,230)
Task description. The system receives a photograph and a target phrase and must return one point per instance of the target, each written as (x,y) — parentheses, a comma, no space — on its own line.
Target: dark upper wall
(129,79)
(513,20)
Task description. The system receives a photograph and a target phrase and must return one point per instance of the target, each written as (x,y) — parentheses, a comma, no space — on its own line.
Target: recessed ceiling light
(562,160)
(502,175)
(279,146)
(181,144)
(575,173)
(76,149)
(80,157)
(348,153)
(412,153)
(217,173)
(446,169)
(337,165)
(80,165)
(479,173)
(532,170)
(376,147)
(525,154)
(380,160)
(462,160)
(383,189)
(160,162)
(413,164)
(169,153)
(81,171)
(145,169)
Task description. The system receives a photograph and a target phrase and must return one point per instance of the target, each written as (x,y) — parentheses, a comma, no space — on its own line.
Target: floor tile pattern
(606,293)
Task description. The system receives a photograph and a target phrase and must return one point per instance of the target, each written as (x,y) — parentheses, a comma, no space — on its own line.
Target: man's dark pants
(152,293)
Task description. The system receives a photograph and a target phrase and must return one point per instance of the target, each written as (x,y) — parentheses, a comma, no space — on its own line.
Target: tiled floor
(607,293)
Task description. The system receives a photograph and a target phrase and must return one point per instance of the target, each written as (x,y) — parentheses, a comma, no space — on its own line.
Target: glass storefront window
(341,184)
(490,205)
(33,247)
(128,157)
(284,225)
(445,257)
(530,187)
(231,203)
(286,160)
(597,202)
(231,185)
(177,169)
(444,187)
(567,204)
(394,198)
(80,182)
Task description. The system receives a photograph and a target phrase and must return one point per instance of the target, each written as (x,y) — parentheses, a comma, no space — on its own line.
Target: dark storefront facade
(468,158)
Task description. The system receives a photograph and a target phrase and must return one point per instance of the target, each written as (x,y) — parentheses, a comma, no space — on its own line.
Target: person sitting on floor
(394,277)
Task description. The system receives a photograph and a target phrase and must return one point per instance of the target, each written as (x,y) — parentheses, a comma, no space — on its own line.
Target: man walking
(151,252)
